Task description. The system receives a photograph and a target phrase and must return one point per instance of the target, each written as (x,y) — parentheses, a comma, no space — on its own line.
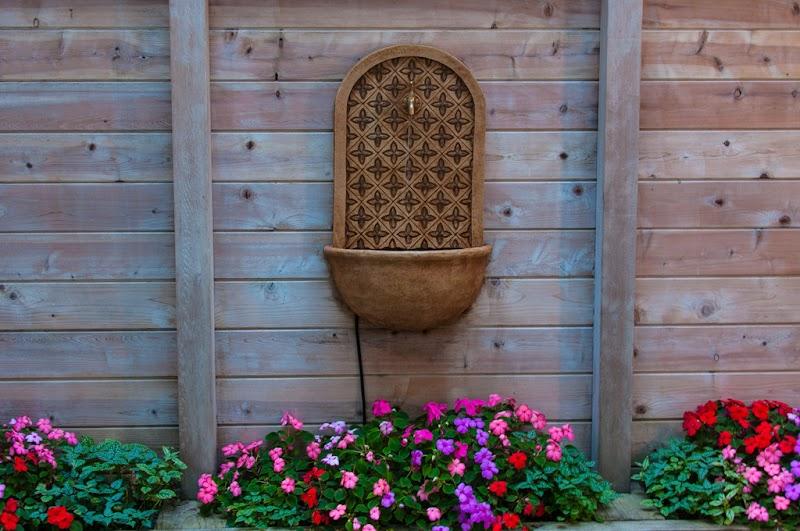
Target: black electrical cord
(361,374)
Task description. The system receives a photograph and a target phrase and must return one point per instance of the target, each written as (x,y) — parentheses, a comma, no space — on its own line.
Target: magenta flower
(434,411)
(781,503)
(471,405)
(461,450)
(313,450)
(381,408)
(290,420)
(421,436)
(235,489)
(553,451)
(434,514)
(288,485)
(375,513)
(338,512)
(757,512)
(349,480)
(208,489)
(456,468)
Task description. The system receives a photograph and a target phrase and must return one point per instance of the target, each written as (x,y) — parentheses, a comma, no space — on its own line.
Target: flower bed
(483,464)
(50,480)
(737,463)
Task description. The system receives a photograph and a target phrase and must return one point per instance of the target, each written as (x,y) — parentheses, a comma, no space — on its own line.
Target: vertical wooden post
(194,266)
(615,265)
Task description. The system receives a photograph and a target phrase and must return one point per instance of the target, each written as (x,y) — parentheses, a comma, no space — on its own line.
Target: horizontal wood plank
(667,396)
(517,156)
(308,206)
(85,13)
(566,397)
(703,54)
(461,350)
(79,106)
(88,354)
(279,304)
(94,256)
(95,403)
(308,105)
(302,55)
(155,437)
(485,14)
(264,400)
(670,253)
(758,300)
(80,207)
(87,306)
(719,154)
(328,352)
(546,253)
(717,204)
(720,105)
(717,348)
(313,304)
(773,14)
(51,55)
(81,157)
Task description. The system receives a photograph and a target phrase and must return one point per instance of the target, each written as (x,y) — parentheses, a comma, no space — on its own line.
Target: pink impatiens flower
(380,487)
(757,512)
(434,411)
(456,467)
(538,420)
(290,420)
(338,512)
(207,490)
(752,474)
(434,514)
(235,489)
(421,436)
(494,399)
(375,513)
(349,480)
(498,426)
(781,503)
(728,452)
(381,408)
(288,485)
(313,450)
(553,451)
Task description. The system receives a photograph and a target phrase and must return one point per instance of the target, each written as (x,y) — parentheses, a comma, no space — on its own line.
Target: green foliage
(111,484)
(685,480)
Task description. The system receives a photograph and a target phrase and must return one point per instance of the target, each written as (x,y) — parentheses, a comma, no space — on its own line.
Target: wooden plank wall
(284,340)
(87,289)
(719,209)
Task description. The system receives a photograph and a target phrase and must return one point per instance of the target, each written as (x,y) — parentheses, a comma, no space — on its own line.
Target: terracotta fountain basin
(408,290)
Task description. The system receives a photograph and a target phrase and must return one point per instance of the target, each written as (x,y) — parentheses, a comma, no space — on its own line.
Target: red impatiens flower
(707,413)
(7,518)
(309,497)
(19,464)
(498,488)
(518,460)
(691,423)
(760,409)
(738,413)
(59,517)
(314,473)
(320,518)
(510,520)
(724,439)
(787,444)
(537,511)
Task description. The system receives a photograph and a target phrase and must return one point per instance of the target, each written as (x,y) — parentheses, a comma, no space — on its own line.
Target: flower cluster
(759,453)
(29,453)
(484,464)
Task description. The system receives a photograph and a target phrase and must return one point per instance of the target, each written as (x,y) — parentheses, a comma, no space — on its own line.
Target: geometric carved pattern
(409,176)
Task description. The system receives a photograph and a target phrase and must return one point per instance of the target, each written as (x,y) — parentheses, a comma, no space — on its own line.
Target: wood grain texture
(194,253)
(307,105)
(81,207)
(78,106)
(100,256)
(714,204)
(85,13)
(50,55)
(517,156)
(671,253)
(279,304)
(717,348)
(93,402)
(307,206)
(328,352)
(566,396)
(264,400)
(615,255)
(756,300)
(719,154)
(385,13)
(461,350)
(648,435)
(772,14)
(42,355)
(703,54)
(539,205)
(313,304)
(87,306)
(667,396)
(82,157)
(301,55)
(155,437)
(518,253)
(720,104)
